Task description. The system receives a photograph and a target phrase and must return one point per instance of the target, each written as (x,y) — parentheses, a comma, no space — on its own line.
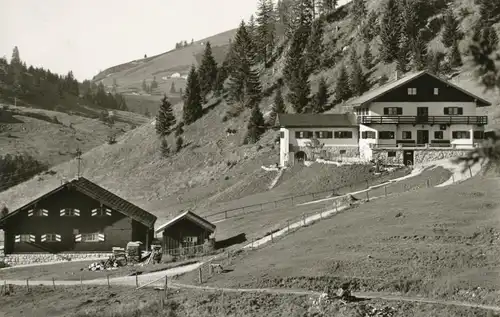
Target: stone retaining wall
(419,156)
(30,258)
(329,152)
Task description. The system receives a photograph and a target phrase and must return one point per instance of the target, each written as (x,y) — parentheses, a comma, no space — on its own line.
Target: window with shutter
(69,212)
(24,237)
(386,135)
(406,135)
(412,91)
(453,111)
(51,237)
(282,134)
(478,135)
(343,134)
(436,91)
(393,111)
(460,134)
(438,135)
(102,211)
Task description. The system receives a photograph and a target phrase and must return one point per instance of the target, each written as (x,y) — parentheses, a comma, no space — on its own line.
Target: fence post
(166,287)
(107,277)
(5,287)
(27,285)
(336,205)
(470,171)
(136,279)
(160,294)
(304,219)
(367,186)
(225,214)
(288,225)
(81,281)
(428,183)
(453,178)
(200,278)
(272,241)
(385,190)
(54,283)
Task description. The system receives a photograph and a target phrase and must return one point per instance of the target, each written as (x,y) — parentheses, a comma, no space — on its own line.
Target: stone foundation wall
(30,258)
(332,152)
(419,156)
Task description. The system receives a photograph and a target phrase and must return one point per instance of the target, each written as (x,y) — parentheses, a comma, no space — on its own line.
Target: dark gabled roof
(102,195)
(190,216)
(382,90)
(309,120)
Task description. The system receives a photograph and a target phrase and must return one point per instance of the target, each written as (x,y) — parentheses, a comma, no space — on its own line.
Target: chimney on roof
(398,74)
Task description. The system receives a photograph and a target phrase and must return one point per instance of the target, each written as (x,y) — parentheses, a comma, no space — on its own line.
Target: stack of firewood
(119,255)
(133,252)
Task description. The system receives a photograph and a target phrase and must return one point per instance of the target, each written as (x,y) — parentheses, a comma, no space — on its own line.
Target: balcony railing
(476,120)
(431,145)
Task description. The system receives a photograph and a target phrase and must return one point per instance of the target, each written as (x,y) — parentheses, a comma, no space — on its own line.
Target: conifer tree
(367,57)
(4,211)
(207,71)
(371,28)
(327,6)
(252,29)
(294,57)
(172,88)
(256,126)
(266,30)
(450,31)
(342,89)
(357,80)
(321,97)
(455,57)
(359,11)
(164,149)
(279,105)
(419,53)
(192,109)
(390,31)
(302,16)
(300,88)
(314,48)
(219,80)
(165,118)
(154,84)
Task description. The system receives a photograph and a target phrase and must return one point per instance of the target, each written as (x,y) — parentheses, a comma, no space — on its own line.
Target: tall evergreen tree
(367,57)
(165,118)
(321,97)
(244,85)
(207,71)
(16,57)
(256,126)
(266,30)
(455,57)
(357,80)
(359,11)
(327,6)
(192,109)
(300,88)
(315,48)
(390,32)
(252,28)
(219,80)
(450,31)
(342,89)
(371,28)
(164,149)
(302,16)
(295,55)
(172,88)
(278,107)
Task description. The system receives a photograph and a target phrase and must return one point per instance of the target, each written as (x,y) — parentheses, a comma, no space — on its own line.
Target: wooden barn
(78,216)
(185,230)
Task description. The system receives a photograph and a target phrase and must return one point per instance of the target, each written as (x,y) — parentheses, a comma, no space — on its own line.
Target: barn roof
(102,195)
(382,90)
(309,120)
(190,216)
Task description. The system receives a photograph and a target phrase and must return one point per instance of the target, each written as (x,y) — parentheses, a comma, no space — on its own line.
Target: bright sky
(92,35)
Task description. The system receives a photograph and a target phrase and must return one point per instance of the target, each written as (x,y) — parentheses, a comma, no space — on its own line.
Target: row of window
(54,237)
(323,134)
(69,212)
(413,91)
(407,135)
(397,111)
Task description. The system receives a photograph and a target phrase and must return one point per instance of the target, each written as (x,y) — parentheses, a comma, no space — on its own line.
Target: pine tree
(357,80)
(244,84)
(219,80)
(315,48)
(371,28)
(434,60)
(165,118)
(192,109)
(4,211)
(16,57)
(154,84)
(278,107)
(390,31)
(164,149)
(207,71)
(178,143)
(419,53)
(172,88)
(302,16)
(342,89)
(321,97)
(367,57)
(294,56)
(450,32)
(256,126)
(455,57)
(300,88)
(252,28)
(359,11)
(266,30)
(327,6)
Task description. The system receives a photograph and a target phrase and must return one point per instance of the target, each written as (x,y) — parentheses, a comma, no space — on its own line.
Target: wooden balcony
(433,145)
(474,120)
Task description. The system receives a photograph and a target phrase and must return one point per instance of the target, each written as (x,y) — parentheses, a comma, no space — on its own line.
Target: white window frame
(436,91)
(90,237)
(38,212)
(69,212)
(190,240)
(51,237)
(101,212)
(412,91)
(340,135)
(24,237)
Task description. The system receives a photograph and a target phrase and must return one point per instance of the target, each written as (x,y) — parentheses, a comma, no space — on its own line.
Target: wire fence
(298,199)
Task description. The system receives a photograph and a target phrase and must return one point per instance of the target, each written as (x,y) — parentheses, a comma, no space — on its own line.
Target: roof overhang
(190,216)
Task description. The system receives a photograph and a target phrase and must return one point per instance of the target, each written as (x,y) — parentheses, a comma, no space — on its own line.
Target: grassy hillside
(52,137)
(439,243)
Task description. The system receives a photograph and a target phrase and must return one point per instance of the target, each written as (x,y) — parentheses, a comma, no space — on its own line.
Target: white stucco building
(403,121)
